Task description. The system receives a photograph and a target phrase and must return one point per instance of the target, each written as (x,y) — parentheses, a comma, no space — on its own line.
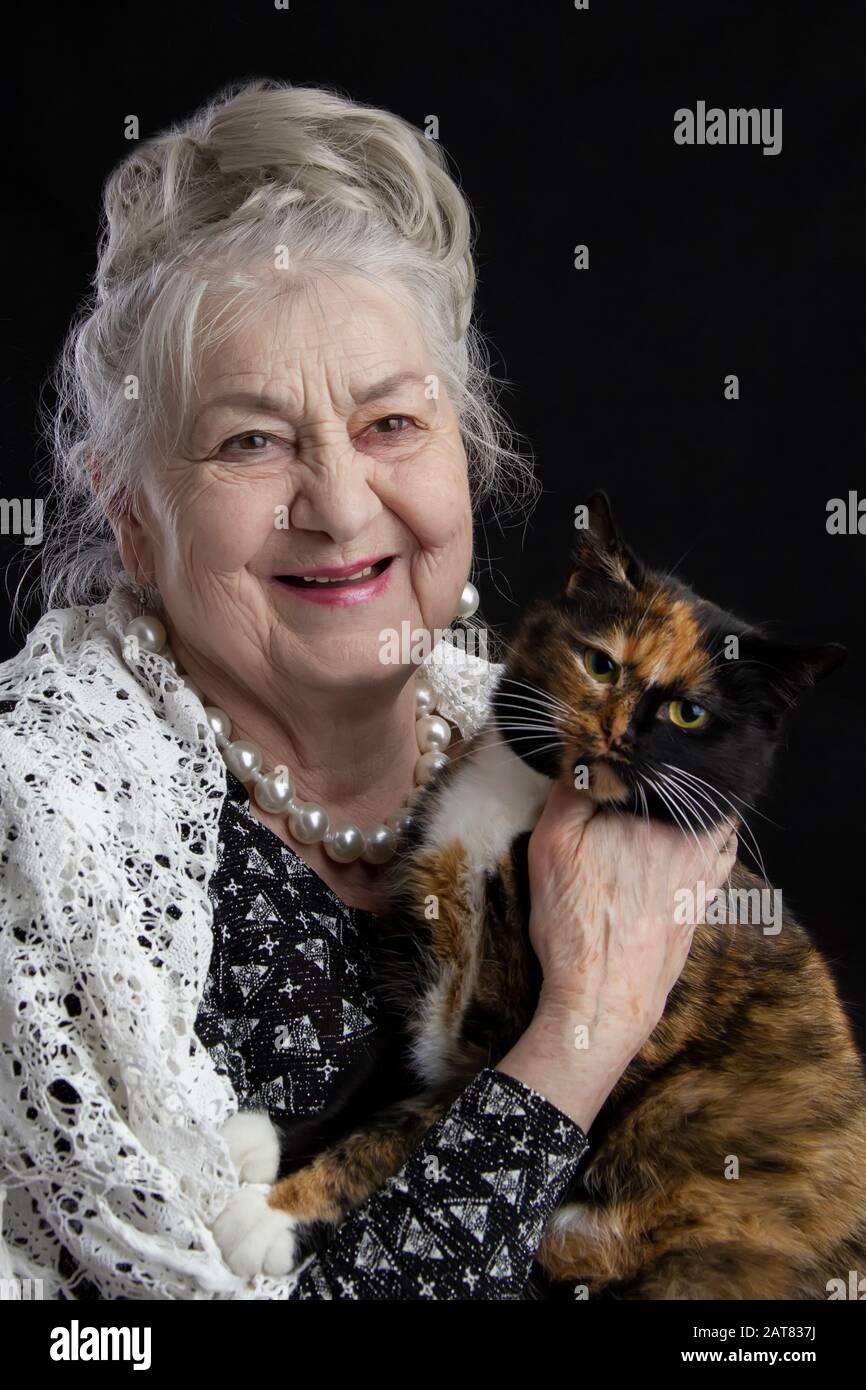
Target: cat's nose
(621,743)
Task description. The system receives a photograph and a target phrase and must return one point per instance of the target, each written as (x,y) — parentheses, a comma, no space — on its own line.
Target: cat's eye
(686,714)
(600,666)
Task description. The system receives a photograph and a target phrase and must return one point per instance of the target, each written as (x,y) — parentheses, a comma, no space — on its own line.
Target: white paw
(254,1145)
(255,1238)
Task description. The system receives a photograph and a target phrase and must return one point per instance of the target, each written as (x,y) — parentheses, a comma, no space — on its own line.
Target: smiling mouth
(346,581)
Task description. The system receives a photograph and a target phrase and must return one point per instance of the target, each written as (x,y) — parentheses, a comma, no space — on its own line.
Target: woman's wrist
(566,1059)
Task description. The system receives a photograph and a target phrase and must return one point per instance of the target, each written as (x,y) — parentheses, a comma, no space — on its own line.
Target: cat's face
(653,699)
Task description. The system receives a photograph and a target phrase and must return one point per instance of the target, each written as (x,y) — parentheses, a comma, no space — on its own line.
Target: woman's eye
(247,443)
(388,421)
(600,666)
(686,714)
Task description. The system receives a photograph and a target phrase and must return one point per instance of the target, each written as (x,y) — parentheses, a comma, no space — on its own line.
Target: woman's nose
(333,492)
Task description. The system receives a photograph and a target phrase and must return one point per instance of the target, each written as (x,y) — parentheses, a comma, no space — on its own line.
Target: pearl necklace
(275,792)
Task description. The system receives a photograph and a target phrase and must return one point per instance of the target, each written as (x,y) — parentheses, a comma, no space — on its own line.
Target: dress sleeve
(465,1214)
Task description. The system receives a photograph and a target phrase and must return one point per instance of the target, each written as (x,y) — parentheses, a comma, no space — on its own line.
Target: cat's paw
(254,1145)
(256,1238)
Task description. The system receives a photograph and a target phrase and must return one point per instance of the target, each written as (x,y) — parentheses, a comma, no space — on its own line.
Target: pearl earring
(469,601)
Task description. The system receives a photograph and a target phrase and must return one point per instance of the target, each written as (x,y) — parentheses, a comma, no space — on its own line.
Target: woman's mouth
(346,584)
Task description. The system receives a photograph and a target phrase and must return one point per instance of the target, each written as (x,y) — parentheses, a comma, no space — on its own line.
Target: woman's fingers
(566,814)
(569,807)
(723,839)
(731,844)
(724,836)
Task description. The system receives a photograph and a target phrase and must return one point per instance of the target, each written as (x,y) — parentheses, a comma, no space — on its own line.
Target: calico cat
(633,677)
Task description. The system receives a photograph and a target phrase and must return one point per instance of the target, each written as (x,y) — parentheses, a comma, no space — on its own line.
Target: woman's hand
(604,927)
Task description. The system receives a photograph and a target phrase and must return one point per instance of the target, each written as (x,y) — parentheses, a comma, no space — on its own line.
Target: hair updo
(191,217)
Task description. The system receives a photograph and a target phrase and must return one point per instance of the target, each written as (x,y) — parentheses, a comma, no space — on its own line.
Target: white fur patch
(253,1144)
(493,797)
(438,1023)
(595,1225)
(254,1237)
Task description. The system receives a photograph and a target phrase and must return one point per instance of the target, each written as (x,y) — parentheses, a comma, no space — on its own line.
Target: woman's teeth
(345,579)
(368,572)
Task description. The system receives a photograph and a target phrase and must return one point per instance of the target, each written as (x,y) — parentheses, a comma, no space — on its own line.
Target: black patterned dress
(289,1014)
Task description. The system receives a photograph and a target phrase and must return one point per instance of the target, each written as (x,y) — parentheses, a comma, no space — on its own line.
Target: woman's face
(305,457)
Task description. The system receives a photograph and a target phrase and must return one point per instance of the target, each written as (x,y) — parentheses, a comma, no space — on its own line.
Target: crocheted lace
(110,1109)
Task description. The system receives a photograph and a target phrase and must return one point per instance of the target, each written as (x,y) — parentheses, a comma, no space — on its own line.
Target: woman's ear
(599,551)
(132,537)
(135,543)
(94,473)
(94,469)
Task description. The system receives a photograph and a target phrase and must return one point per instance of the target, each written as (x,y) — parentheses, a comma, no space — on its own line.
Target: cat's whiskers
(561,727)
(653,786)
(534,691)
(674,768)
(703,788)
(713,806)
(534,731)
(560,720)
(676,808)
(698,785)
(526,702)
(695,791)
(528,728)
(506,710)
(523,705)
(687,798)
(754,853)
(682,826)
(545,747)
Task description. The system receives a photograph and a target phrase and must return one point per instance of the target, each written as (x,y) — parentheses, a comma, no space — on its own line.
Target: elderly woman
(273,424)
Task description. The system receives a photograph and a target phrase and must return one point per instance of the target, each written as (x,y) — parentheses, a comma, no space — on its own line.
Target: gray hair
(191,217)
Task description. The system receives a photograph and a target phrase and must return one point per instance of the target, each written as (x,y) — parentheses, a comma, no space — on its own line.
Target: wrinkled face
(669,705)
(322,441)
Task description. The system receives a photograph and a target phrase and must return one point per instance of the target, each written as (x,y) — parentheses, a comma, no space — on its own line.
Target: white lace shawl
(111,786)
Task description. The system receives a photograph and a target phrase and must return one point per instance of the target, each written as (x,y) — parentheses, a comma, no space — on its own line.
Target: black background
(703,261)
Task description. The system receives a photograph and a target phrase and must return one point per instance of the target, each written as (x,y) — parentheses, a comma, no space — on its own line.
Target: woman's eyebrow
(385,386)
(253,400)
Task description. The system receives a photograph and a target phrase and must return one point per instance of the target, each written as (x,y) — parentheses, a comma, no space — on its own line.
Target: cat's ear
(788,669)
(599,551)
